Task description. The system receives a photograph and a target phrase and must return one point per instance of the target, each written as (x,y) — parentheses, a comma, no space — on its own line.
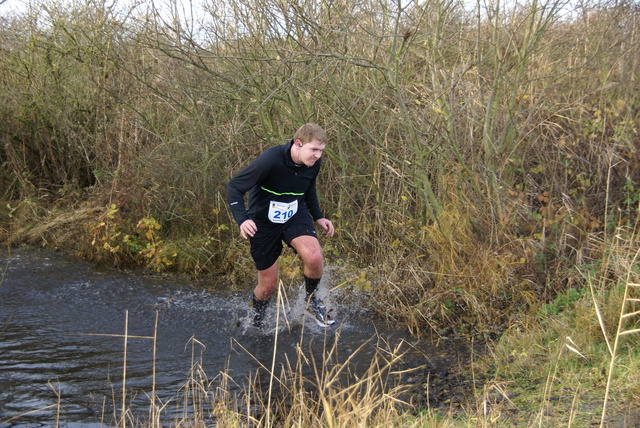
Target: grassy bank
(482,171)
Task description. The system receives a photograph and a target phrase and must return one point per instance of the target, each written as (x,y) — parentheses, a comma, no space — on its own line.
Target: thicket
(477,156)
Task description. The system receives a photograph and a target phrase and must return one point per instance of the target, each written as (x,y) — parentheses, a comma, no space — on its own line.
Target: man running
(282,205)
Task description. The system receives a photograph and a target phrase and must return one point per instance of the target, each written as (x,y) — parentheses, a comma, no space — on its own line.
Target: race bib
(281,212)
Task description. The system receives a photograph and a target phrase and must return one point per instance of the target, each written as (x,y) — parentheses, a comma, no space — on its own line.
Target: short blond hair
(309,132)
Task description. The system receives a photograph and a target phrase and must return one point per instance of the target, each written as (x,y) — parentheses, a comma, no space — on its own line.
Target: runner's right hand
(248,228)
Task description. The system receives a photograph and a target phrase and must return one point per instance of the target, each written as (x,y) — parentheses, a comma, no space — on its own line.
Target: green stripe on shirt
(281,194)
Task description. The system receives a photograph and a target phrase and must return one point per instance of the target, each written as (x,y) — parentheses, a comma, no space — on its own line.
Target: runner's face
(308,153)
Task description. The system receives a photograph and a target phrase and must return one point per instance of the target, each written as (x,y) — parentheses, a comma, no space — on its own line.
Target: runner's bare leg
(267,281)
(308,248)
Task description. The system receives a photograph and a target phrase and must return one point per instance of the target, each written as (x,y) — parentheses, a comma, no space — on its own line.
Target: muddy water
(62,324)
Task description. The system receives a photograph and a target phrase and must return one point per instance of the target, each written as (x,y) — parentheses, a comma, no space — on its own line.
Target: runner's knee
(313,262)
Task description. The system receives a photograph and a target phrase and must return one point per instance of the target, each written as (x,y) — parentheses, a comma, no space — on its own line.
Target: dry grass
(56,228)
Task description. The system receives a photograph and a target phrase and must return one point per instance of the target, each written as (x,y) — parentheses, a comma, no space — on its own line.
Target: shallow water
(62,328)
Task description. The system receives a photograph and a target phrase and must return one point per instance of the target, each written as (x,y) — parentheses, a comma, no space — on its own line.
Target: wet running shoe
(260,308)
(316,308)
(258,320)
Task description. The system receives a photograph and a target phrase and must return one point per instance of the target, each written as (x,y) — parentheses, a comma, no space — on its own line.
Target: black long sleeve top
(273,177)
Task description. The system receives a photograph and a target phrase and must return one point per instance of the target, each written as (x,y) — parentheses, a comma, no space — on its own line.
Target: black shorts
(266,244)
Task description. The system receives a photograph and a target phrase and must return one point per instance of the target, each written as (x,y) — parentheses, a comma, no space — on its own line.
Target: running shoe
(319,311)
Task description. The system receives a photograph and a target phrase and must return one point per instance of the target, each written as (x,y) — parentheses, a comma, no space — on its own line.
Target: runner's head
(309,132)
(308,144)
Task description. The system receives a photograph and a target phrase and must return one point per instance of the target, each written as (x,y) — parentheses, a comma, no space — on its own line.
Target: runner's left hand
(326,226)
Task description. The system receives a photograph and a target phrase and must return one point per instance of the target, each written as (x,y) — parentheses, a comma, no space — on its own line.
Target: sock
(311,284)
(259,305)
